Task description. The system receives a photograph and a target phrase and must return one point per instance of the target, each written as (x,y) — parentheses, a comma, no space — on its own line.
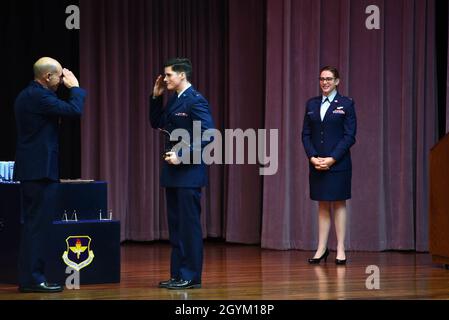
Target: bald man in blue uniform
(37,110)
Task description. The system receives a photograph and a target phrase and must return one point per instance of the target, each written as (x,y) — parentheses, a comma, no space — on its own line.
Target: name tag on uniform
(181,114)
(339,111)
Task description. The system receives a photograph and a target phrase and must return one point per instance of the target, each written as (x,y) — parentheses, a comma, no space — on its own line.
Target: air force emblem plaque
(78,254)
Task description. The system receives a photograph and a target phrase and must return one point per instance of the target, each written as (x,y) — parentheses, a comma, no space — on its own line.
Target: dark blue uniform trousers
(37,199)
(186,238)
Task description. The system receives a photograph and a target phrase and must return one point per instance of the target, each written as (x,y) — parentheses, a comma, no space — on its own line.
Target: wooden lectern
(439,202)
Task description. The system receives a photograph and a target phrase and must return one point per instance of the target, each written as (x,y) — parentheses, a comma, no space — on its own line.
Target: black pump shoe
(340,262)
(318,260)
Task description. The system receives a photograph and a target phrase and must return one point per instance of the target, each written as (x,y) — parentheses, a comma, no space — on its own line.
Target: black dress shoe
(340,262)
(43,287)
(184,284)
(164,284)
(318,260)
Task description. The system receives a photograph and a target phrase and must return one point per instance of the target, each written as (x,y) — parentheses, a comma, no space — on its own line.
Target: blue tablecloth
(87,199)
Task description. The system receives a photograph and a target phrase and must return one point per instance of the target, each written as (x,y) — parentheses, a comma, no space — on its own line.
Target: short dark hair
(180,65)
(331,69)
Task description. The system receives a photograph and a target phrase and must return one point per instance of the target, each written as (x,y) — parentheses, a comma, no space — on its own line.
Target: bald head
(48,72)
(44,66)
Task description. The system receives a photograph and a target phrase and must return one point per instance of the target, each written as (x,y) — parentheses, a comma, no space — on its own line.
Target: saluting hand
(69,79)
(159,86)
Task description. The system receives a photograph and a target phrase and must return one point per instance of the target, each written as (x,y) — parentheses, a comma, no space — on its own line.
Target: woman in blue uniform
(328,133)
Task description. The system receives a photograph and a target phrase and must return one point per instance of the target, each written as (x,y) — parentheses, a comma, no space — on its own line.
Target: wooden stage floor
(238,272)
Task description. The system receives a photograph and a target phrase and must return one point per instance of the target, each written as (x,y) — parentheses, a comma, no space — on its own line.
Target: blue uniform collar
(183,91)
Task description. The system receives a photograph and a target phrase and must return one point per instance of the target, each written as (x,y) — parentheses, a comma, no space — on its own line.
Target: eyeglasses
(326,79)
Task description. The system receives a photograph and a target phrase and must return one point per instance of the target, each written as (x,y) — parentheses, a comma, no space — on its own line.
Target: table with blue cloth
(83,238)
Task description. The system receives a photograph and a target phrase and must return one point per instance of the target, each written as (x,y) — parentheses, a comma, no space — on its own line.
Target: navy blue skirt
(330,185)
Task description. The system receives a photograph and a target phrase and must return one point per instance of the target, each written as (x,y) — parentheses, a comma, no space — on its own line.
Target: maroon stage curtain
(123,47)
(390,73)
(257,63)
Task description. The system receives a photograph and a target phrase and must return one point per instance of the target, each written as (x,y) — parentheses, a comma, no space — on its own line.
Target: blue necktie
(323,111)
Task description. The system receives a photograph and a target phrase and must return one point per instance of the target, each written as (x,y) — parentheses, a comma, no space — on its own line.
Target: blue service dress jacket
(37,110)
(180,113)
(332,137)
